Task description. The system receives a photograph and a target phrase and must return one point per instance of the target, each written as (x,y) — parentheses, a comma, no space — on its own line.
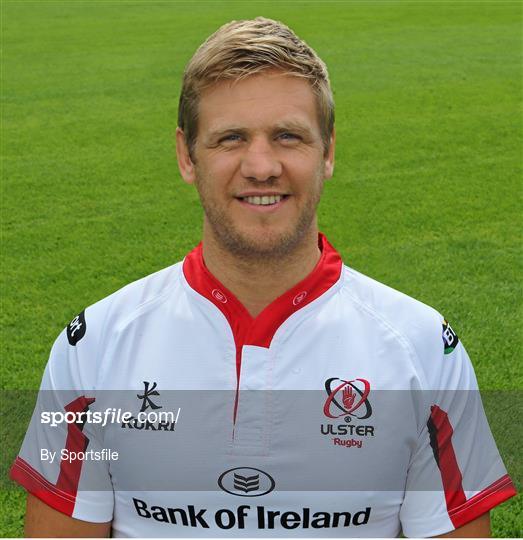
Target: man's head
(256,137)
(241,49)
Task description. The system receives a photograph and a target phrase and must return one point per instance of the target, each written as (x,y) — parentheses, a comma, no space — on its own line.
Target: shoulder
(418,327)
(400,310)
(134,299)
(131,301)
(79,350)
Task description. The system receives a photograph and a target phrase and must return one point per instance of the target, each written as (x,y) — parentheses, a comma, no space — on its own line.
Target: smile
(265,200)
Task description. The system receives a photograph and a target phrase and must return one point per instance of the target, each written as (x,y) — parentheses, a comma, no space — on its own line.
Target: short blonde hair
(242,48)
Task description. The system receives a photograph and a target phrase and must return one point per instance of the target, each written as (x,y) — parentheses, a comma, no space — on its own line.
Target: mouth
(263,200)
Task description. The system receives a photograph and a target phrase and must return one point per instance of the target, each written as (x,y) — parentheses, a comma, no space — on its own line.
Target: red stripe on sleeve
(76,441)
(498,492)
(40,487)
(447,462)
(461,511)
(62,495)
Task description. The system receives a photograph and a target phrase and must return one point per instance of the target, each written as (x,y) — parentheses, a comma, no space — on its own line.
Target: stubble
(265,244)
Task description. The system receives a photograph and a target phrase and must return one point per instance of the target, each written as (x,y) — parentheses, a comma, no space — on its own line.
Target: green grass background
(426,195)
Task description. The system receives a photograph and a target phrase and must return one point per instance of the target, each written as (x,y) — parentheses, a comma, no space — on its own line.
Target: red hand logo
(348,397)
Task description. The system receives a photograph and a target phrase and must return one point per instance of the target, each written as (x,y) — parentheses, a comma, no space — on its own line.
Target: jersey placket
(252,427)
(253,337)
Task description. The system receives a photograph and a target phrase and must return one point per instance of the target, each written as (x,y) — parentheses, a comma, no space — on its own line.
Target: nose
(260,162)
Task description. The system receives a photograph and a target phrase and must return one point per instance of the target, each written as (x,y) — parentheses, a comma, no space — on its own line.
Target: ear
(185,163)
(329,157)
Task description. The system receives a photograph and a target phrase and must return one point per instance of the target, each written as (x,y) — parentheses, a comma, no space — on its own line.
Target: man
(320,402)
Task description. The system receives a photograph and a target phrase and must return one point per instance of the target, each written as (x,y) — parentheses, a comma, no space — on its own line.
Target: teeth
(265,200)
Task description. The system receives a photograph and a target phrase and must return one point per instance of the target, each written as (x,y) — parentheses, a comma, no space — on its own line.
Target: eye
(289,137)
(231,138)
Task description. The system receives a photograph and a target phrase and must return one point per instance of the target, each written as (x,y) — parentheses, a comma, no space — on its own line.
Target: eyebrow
(292,125)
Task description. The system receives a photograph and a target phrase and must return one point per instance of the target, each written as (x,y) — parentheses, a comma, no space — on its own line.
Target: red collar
(260,330)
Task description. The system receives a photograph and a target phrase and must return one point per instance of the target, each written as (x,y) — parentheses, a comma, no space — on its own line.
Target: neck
(258,283)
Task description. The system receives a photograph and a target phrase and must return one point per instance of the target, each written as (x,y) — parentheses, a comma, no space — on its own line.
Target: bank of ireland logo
(246,482)
(347,399)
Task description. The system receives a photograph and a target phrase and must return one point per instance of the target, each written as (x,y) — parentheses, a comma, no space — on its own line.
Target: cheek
(219,171)
(307,174)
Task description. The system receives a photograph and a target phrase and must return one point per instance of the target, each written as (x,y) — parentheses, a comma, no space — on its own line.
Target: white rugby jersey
(344,409)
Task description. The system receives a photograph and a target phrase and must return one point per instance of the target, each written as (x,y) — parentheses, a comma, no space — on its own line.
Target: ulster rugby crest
(347,402)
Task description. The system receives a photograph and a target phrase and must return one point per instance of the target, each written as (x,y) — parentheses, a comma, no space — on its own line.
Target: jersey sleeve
(50,464)
(456,473)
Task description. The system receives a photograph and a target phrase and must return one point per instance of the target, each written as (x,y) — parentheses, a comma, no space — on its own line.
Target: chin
(261,243)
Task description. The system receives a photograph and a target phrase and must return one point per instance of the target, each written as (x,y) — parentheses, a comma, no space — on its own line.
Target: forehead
(258,101)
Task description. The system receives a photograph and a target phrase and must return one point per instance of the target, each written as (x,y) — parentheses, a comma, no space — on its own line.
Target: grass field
(426,195)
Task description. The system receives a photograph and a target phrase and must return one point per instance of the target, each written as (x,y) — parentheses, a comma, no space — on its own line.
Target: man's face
(259,163)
